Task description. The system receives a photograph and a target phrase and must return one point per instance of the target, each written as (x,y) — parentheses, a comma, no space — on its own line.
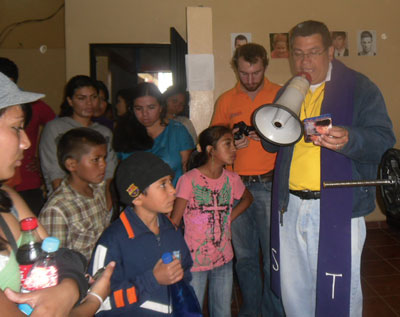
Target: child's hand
(102,285)
(167,274)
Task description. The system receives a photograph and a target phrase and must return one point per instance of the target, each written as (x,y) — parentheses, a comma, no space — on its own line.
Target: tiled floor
(380,273)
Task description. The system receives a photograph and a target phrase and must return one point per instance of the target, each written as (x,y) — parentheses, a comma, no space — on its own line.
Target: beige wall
(32,35)
(120,21)
(43,73)
(38,72)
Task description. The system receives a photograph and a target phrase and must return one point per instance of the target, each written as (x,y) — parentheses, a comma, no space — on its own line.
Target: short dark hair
(366,34)
(77,142)
(336,34)
(310,27)
(251,53)
(240,37)
(176,90)
(127,95)
(9,68)
(74,84)
(102,87)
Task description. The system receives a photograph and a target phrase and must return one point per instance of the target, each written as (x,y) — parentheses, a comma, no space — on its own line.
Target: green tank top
(9,275)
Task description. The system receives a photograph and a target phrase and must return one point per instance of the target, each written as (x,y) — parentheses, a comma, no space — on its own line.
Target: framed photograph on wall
(340,43)
(279,45)
(238,39)
(366,43)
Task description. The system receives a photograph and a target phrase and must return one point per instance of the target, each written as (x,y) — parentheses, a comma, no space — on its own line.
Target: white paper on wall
(200,72)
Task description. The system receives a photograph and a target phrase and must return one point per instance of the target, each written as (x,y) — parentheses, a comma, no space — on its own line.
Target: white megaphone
(279,122)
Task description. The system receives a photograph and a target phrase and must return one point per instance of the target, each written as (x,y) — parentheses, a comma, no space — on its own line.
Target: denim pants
(220,281)
(250,230)
(299,238)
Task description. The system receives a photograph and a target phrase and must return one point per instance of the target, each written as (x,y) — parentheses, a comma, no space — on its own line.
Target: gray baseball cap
(11,95)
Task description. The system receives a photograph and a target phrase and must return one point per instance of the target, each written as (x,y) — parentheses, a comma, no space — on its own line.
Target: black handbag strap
(9,235)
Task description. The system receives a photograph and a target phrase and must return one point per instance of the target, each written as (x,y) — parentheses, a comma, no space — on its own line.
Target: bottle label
(41,277)
(24,270)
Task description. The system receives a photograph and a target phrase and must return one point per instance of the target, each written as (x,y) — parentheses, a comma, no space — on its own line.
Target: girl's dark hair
(102,87)
(73,84)
(176,90)
(127,95)
(149,89)
(129,134)
(5,206)
(26,109)
(209,136)
(5,201)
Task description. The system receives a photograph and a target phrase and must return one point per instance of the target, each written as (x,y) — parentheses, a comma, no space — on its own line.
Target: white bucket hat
(11,95)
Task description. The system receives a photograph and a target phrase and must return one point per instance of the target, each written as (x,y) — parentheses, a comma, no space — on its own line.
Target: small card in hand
(316,126)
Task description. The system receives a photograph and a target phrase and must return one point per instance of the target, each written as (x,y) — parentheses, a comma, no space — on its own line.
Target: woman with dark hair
(124,102)
(103,112)
(177,99)
(147,129)
(53,301)
(81,99)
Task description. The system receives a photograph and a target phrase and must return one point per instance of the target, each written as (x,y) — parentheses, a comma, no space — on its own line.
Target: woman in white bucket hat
(54,301)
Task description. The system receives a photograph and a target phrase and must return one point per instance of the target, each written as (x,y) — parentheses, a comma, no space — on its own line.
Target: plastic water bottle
(184,300)
(44,272)
(29,251)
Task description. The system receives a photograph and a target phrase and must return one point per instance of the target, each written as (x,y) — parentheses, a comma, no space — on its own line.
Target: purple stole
(334,253)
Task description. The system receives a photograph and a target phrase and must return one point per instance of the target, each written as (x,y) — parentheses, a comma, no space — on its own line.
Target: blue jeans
(299,238)
(220,281)
(250,230)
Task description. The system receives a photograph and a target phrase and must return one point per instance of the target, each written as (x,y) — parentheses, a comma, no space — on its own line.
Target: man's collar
(341,51)
(327,78)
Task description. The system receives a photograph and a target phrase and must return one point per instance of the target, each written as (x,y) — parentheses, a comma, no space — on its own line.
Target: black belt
(306,194)
(263,178)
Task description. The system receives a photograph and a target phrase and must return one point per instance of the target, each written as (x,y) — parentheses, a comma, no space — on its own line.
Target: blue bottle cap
(50,244)
(167,257)
(26,309)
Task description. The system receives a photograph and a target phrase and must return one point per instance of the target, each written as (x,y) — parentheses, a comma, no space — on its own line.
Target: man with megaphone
(255,166)
(317,234)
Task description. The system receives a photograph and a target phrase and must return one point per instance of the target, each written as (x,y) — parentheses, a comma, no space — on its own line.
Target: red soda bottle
(44,272)
(29,250)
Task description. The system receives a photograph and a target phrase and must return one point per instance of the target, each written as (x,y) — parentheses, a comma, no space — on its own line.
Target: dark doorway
(122,66)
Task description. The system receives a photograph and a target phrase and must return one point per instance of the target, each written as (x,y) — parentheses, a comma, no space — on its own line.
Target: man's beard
(253,87)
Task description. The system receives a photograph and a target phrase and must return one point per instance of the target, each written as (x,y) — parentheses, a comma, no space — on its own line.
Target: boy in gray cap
(139,237)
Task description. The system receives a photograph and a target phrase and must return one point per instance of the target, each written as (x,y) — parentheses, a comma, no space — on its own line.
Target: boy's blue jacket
(136,250)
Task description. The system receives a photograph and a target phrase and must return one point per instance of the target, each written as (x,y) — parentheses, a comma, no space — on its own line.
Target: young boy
(137,240)
(76,213)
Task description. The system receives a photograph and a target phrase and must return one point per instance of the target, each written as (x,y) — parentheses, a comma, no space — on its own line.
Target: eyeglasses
(299,55)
